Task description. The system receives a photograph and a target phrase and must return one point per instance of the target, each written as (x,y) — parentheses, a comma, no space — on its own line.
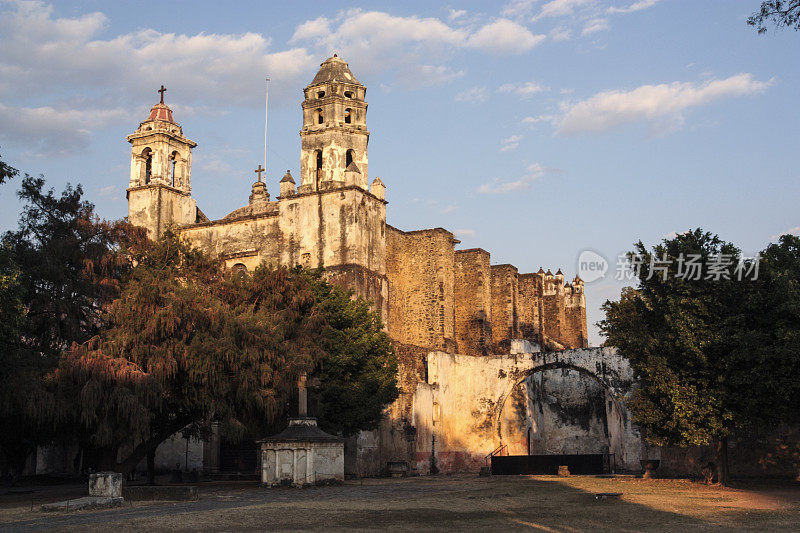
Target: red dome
(161,112)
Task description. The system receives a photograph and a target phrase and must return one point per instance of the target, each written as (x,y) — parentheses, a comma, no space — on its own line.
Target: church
(489,357)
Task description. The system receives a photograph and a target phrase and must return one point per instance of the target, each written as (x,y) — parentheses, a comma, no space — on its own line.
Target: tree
(7,172)
(707,350)
(357,378)
(779,12)
(186,344)
(63,266)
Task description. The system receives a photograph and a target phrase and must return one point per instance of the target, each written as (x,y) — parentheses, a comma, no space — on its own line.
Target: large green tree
(714,353)
(357,378)
(63,266)
(188,344)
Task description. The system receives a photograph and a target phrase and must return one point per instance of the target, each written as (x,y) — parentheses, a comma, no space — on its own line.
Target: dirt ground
(465,502)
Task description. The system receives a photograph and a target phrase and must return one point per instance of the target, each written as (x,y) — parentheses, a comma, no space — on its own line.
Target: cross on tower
(258,171)
(162,90)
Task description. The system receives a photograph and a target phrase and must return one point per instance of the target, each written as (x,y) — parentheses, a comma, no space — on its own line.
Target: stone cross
(258,171)
(302,396)
(162,90)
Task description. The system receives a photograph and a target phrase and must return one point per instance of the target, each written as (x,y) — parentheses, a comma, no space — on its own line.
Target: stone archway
(458,410)
(602,366)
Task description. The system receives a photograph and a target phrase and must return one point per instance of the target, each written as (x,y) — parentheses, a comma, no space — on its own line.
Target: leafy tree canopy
(779,12)
(188,343)
(714,355)
(56,272)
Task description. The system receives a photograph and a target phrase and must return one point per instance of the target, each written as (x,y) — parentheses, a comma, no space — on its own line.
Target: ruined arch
(611,391)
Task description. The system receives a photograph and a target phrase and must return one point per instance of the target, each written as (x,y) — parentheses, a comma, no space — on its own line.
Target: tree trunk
(151,467)
(722,461)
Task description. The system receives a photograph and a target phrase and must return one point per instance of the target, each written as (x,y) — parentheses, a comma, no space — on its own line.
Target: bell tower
(333,151)
(160,187)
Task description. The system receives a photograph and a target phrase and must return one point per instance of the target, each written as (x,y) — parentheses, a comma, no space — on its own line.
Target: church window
(320,117)
(173,160)
(348,94)
(319,159)
(348,116)
(348,159)
(321,94)
(147,154)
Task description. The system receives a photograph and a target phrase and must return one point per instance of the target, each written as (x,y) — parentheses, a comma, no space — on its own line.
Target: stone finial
(287,184)
(302,396)
(259,194)
(378,188)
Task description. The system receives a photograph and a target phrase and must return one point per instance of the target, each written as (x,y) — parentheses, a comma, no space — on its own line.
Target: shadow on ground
(434,502)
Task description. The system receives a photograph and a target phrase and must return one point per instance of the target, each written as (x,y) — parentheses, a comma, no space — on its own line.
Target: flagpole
(266,111)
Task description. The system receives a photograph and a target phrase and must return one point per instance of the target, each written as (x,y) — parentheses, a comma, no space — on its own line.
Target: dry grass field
(436,503)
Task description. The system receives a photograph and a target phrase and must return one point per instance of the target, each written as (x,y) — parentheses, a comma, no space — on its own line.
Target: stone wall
(505,297)
(470,405)
(473,301)
(420,271)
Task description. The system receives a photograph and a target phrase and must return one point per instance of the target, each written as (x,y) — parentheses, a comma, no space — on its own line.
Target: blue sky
(533,129)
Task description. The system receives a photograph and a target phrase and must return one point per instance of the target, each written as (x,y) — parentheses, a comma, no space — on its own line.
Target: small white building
(302,454)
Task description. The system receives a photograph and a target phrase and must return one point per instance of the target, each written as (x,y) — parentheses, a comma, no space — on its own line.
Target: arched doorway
(565,411)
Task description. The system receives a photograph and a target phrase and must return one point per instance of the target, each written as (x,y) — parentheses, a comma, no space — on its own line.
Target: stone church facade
(442,306)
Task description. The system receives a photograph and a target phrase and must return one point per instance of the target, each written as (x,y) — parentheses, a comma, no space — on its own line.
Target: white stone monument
(302,454)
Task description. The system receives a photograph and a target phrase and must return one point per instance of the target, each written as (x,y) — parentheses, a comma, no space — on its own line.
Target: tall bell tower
(159,192)
(333,151)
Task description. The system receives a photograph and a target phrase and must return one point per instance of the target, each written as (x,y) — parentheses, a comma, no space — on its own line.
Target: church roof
(334,69)
(303,430)
(161,112)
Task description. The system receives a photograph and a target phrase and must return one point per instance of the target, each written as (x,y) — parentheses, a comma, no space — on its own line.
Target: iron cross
(162,90)
(258,171)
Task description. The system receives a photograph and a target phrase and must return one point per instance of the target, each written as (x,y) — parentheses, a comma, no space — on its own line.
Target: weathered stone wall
(158,206)
(470,405)
(342,230)
(528,302)
(473,301)
(575,334)
(505,296)
(420,270)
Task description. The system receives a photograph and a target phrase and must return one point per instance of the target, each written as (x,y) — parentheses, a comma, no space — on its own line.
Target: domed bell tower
(159,192)
(334,137)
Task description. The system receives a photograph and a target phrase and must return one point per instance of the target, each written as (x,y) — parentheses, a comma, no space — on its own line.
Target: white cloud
(531,121)
(561,8)
(517,8)
(504,36)
(560,33)
(379,42)
(312,29)
(472,95)
(636,6)
(790,231)
(456,14)
(534,172)
(595,25)
(52,131)
(523,90)
(464,232)
(511,143)
(40,48)
(653,103)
